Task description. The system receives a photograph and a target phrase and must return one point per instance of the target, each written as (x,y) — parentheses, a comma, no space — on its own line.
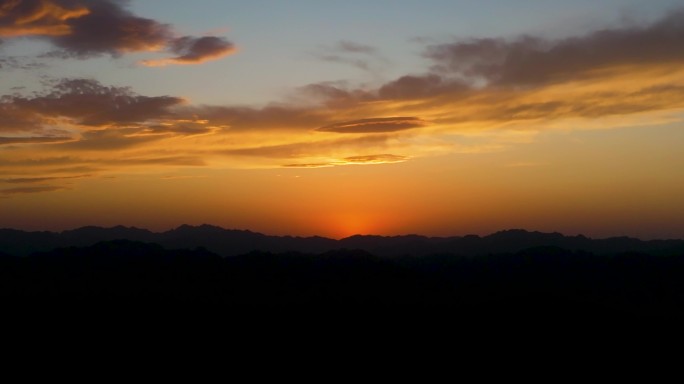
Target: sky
(336,118)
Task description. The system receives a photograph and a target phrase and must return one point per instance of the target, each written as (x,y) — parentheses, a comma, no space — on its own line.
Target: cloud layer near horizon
(477,95)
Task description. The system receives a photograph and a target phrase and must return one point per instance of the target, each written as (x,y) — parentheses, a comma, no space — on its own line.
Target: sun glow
(350,224)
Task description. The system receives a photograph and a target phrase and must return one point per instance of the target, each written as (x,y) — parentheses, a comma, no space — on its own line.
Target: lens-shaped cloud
(353,160)
(375,125)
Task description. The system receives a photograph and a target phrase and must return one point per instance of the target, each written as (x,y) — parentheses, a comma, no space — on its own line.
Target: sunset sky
(303,117)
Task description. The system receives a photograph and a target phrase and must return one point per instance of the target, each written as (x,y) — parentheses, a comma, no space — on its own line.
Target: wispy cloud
(31,180)
(357,55)
(27,190)
(352,47)
(32,140)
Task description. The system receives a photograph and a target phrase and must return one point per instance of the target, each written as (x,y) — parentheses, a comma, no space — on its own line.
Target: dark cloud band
(533,60)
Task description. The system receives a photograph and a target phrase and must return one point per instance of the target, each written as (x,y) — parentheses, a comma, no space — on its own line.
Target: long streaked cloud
(88,28)
(31,180)
(353,160)
(32,140)
(74,166)
(375,125)
(314,148)
(26,190)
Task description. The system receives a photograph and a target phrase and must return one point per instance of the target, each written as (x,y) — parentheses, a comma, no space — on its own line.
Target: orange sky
(577,134)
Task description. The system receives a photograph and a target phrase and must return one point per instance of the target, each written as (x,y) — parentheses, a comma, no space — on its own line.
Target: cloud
(108,28)
(86,102)
(407,87)
(84,115)
(14,119)
(41,162)
(310,165)
(26,190)
(87,164)
(45,184)
(32,140)
(420,87)
(195,50)
(311,148)
(375,125)
(358,63)
(38,17)
(39,170)
(19,62)
(271,117)
(489,83)
(353,160)
(532,60)
(89,28)
(333,95)
(181,177)
(474,99)
(106,140)
(31,180)
(347,52)
(350,46)
(175,127)
(160,160)
(375,159)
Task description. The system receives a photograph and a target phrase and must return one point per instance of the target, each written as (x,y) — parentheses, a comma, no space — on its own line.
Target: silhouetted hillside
(227,242)
(540,282)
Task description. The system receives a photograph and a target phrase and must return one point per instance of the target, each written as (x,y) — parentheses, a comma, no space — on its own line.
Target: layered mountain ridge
(232,242)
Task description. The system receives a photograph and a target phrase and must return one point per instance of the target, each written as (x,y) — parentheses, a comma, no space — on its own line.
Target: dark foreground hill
(227,242)
(535,283)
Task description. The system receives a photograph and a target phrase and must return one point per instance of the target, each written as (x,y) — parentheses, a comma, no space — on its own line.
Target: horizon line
(344,237)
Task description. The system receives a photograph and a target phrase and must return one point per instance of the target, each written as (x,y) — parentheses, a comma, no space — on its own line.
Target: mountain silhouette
(229,242)
(543,282)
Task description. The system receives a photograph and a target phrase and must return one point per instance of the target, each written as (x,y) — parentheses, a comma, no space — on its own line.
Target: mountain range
(231,242)
(513,274)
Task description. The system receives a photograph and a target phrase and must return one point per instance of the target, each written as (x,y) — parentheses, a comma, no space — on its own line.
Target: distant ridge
(232,242)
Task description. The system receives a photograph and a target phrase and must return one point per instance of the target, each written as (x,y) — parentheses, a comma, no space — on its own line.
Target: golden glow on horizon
(349,224)
(544,143)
